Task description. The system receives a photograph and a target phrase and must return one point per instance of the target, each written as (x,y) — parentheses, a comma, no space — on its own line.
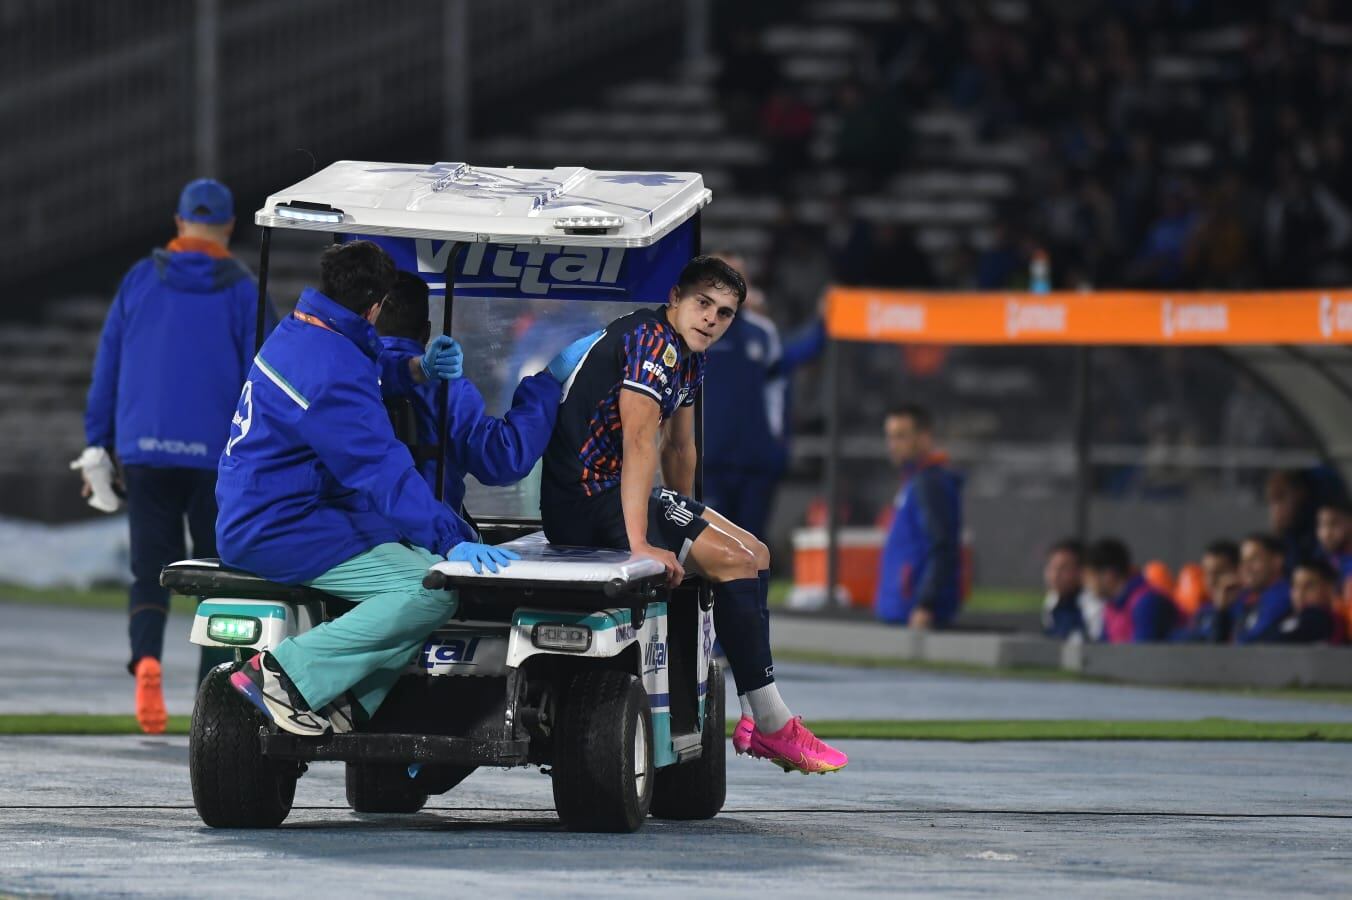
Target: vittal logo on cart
(1335,316)
(1034,317)
(532,269)
(895,318)
(1183,319)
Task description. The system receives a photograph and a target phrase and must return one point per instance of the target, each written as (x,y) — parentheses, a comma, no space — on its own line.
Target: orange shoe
(150,711)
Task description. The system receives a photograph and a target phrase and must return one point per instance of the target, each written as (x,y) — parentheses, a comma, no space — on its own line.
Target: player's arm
(678,451)
(640,417)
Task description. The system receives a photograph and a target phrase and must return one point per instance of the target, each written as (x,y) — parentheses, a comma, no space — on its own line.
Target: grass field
(892,730)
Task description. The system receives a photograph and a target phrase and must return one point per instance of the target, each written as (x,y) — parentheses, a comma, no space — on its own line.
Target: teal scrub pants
(368,649)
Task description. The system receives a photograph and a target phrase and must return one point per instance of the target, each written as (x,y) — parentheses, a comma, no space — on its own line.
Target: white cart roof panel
(566,205)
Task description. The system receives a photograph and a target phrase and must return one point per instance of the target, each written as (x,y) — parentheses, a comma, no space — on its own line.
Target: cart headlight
(304,211)
(234,629)
(572,638)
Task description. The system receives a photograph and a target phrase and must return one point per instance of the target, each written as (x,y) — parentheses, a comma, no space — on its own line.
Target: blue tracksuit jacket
(1260,619)
(495,451)
(745,411)
(922,559)
(175,347)
(312,474)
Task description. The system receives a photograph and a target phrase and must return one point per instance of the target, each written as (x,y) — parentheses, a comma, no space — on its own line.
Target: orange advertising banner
(1109,317)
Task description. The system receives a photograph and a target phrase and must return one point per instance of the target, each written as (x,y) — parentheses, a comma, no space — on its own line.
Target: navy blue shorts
(674,521)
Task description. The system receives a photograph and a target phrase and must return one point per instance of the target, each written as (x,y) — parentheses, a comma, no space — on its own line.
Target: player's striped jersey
(639,352)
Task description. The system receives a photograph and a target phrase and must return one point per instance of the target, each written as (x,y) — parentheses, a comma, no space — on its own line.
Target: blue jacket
(1260,618)
(922,559)
(312,474)
(744,414)
(176,345)
(1138,614)
(495,451)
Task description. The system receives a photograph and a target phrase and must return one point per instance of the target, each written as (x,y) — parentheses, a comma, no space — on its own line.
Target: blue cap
(210,195)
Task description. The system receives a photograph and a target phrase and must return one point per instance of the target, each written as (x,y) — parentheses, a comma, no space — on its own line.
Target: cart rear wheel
(697,789)
(233,784)
(603,757)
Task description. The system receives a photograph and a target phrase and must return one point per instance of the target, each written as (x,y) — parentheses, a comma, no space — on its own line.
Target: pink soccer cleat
(741,735)
(794,748)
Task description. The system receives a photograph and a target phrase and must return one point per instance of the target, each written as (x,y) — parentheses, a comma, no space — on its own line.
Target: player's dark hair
(405,311)
(918,414)
(1072,546)
(1320,569)
(712,272)
(1108,555)
(1268,542)
(1225,549)
(356,274)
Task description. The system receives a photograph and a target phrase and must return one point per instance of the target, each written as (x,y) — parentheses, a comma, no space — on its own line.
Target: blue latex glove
(563,365)
(443,359)
(480,555)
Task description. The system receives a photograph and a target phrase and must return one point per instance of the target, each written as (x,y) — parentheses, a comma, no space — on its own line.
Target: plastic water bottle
(1040,273)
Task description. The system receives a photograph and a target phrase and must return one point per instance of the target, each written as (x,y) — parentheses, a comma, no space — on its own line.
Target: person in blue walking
(174,351)
(315,489)
(920,575)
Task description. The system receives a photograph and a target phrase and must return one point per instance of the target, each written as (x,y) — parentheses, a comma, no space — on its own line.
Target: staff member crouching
(315,489)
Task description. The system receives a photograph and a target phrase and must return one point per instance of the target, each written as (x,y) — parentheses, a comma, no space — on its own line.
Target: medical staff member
(176,345)
(495,451)
(315,489)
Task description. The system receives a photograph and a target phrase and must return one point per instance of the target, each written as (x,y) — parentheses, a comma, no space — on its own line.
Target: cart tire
(233,784)
(382,788)
(697,789)
(603,757)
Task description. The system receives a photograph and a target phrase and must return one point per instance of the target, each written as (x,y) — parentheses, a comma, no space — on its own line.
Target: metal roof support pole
(833,351)
(206,87)
(1084,470)
(444,392)
(261,320)
(455,87)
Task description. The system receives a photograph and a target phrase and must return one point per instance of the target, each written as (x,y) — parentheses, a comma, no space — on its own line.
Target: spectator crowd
(1289,584)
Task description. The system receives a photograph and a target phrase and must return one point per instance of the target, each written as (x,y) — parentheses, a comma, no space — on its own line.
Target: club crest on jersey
(669,356)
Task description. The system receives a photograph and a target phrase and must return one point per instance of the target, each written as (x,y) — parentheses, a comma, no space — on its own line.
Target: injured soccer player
(637,383)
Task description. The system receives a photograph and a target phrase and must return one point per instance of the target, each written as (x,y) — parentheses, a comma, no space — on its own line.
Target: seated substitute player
(495,451)
(637,380)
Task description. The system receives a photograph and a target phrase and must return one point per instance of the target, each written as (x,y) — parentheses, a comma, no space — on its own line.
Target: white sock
(768,709)
(746,706)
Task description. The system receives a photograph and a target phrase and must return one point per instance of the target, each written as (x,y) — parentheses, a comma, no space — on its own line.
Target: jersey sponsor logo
(177,448)
(243,417)
(657,371)
(533,269)
(669,356)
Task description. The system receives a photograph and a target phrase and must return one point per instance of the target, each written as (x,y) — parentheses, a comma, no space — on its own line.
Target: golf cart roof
(566,205)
